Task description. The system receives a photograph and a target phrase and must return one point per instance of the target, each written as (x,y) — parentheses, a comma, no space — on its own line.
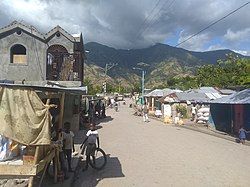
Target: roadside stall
(26,130)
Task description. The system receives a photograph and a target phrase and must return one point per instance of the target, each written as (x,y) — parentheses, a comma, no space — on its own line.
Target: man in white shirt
(193,111)
(91,139)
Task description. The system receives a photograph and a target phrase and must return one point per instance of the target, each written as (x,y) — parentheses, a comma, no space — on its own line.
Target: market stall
(26,129)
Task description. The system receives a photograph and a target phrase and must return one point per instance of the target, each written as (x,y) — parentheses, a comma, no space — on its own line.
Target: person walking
(145,113)
(91,139)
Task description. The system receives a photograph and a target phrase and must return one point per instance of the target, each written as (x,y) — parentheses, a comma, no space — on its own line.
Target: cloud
(238,35)
(245,53)
(194,44)
(123,23)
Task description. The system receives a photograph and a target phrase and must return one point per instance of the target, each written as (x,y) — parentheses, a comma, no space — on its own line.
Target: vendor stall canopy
(24,117)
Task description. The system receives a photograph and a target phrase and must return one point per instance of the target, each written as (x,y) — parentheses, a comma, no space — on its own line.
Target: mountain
(162,62)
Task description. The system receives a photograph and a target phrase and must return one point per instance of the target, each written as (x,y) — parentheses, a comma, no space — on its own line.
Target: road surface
(153,154)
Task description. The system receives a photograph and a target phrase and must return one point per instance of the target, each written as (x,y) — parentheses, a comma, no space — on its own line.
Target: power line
(210,25)
(152,21)
(147,18)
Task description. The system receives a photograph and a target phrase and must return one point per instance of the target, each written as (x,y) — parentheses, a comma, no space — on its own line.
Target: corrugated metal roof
(213,96)
(73,90)
(204,90)
(227,91)
(242,97)
(159,92)
(195,97)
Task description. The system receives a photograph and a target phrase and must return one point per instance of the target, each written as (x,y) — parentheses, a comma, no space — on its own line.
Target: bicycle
(98,161)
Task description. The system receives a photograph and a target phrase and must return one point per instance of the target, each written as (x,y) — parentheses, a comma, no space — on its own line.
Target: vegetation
(182,110)
(231,72)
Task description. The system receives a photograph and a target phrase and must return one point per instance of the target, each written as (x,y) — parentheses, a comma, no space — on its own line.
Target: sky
(126,24)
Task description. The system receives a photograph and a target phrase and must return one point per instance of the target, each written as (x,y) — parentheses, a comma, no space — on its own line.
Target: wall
(36,51)
(69,114)
(62,40)
(36,58)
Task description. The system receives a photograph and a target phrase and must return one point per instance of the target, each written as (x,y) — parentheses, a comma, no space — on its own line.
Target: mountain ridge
(163,62)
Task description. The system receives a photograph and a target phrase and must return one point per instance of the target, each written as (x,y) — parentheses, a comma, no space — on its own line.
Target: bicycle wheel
(99,161)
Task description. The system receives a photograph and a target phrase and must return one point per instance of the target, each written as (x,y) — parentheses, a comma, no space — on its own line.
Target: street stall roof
(160,92)
(227,91)
(242,97)
(184,97)
(72,90)
(203,90)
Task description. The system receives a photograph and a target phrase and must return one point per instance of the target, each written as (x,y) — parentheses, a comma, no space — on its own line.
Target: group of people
(65,141)
(96,110)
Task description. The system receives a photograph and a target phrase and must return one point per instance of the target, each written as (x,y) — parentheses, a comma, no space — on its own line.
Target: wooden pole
(60,125)
(36,160)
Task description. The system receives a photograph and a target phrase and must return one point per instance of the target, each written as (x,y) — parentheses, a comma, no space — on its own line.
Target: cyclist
(91,139)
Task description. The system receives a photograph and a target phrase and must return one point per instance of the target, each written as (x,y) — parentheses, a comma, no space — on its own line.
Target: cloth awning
(23,116)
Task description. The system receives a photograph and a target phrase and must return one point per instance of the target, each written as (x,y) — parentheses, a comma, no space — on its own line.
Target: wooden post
(60,125)
(36,157)
(61,110)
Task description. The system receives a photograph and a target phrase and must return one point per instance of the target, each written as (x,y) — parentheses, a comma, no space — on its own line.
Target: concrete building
(55,58)
(27,54)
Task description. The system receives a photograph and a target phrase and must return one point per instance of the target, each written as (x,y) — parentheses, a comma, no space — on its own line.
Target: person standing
(242,135)
(145,113)
(103,111)
(193,111)
(91,112)
(68,144)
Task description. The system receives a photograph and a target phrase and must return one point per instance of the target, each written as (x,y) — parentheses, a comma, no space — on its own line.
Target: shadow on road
(91,177)
(104,120)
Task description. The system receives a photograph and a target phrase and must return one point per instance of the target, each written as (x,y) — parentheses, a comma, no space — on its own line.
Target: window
(18,54)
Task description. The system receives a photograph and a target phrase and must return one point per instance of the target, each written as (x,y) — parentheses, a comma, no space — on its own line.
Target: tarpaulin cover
(23,117)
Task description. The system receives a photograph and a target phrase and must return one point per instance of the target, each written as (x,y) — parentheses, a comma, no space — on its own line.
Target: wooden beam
(62,99)
(47,159)
(36,157)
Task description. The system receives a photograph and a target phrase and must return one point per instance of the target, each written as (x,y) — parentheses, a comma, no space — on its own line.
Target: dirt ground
(152,154)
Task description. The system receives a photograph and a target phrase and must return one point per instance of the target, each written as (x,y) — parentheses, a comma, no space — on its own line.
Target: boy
(68,144)
(92,137)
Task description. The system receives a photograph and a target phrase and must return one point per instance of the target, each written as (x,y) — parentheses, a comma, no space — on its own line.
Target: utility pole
(107,68)
(142,85)
(142,82)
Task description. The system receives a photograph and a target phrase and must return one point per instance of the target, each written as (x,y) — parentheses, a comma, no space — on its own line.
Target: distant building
(27,54)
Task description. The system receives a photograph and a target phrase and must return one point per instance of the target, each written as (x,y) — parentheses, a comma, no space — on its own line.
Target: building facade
(27,54)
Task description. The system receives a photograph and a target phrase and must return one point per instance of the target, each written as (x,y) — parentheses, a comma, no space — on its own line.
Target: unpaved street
(153,154)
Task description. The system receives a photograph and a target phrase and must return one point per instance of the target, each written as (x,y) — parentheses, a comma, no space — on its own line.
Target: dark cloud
(121,23)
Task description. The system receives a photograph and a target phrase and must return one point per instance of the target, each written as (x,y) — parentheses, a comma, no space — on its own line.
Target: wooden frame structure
(44,154)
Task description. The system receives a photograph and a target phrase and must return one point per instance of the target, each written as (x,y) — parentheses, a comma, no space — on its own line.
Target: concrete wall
(62,40)
(69,116)
(36,51)
(36,58)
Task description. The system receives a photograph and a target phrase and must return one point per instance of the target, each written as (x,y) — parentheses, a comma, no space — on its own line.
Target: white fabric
(193,110)
(24,117)
(92,136)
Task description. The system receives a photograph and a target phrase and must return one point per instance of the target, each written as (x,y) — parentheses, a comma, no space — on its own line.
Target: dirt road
(152,154)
